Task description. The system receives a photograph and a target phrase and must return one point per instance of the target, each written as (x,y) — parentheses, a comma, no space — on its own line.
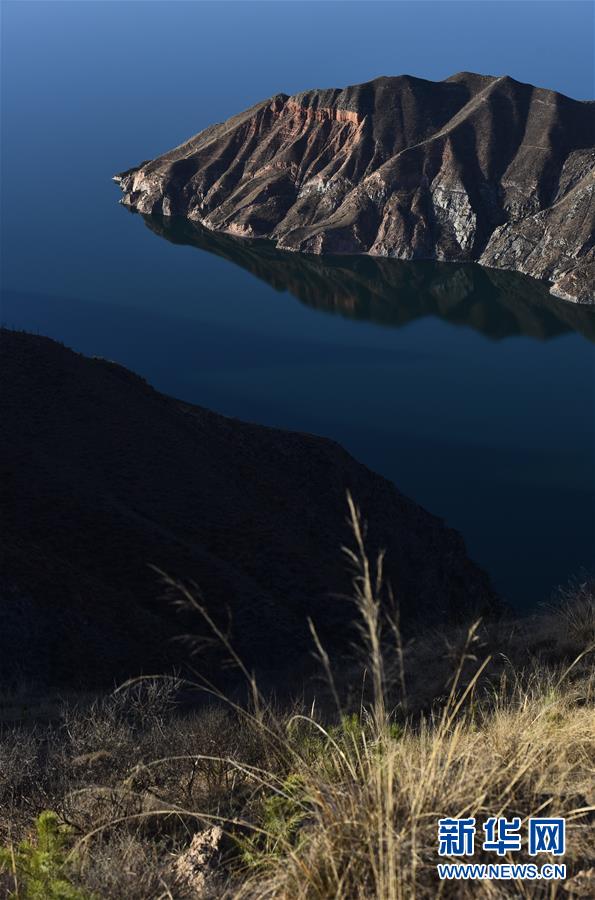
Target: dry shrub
(126,866)
(574,608)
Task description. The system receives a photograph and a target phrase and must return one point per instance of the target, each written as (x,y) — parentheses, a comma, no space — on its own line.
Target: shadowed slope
(102,476)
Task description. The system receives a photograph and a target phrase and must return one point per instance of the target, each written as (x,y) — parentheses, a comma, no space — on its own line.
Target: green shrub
(38,867)
(282,814)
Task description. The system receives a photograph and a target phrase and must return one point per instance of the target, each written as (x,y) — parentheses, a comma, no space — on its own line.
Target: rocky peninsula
(472,168)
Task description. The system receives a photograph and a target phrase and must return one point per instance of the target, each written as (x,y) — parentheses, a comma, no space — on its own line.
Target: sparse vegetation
(337,795)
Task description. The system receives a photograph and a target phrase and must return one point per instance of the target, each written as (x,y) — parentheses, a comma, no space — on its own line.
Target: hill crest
(473,167)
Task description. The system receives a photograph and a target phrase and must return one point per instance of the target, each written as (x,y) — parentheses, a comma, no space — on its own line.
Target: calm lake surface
(472,390)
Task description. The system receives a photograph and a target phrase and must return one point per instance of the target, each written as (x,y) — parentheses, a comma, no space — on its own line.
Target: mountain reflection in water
(392,292)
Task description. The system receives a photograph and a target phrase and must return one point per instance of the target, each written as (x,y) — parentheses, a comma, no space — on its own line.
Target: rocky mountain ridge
(470,168)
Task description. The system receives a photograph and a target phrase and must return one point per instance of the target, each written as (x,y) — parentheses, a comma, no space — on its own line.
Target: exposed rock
(470,168)
(102,476)
(195,870)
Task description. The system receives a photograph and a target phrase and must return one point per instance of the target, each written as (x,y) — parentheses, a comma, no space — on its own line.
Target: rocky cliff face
(470,168)
(103,476)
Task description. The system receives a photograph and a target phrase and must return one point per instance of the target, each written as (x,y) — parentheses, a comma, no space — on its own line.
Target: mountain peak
(474,167)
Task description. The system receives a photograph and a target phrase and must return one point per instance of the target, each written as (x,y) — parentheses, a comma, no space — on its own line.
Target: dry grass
(371,802)
(521,744)
(339,796)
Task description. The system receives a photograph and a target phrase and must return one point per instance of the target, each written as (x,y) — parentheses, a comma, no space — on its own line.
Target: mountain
(470,168)
(395,292)
(102,476)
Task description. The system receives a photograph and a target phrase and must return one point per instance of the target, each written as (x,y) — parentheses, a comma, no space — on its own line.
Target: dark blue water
(473,392)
